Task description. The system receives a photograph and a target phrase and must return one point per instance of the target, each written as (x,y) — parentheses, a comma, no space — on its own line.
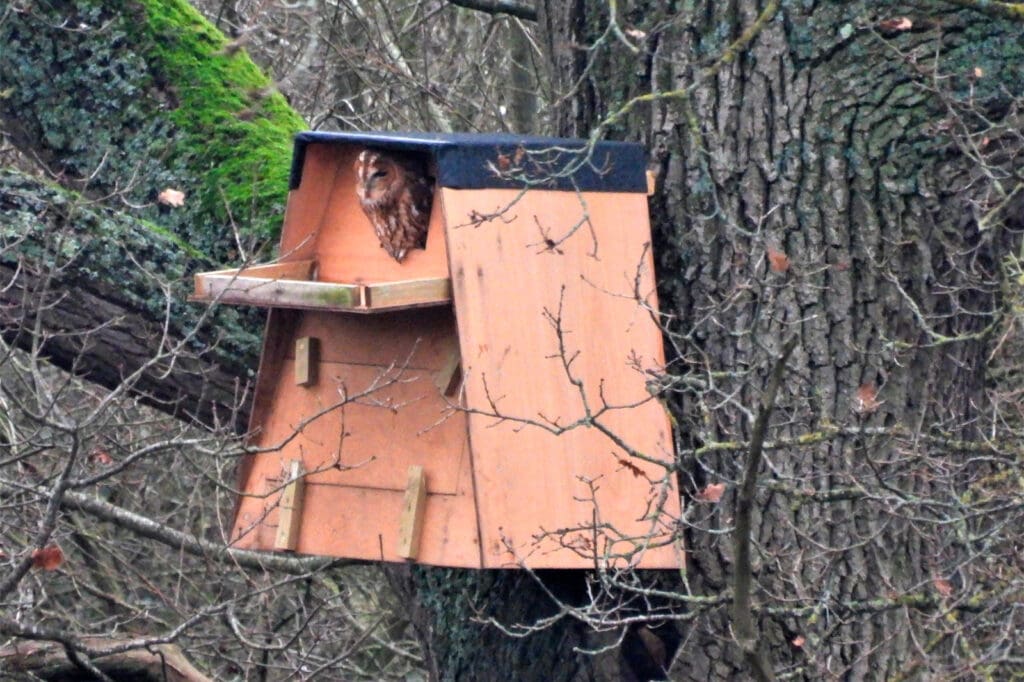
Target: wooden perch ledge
(290,285)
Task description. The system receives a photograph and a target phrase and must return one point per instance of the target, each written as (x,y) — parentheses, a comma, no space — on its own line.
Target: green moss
(339,296)
(143,96)
(236,127)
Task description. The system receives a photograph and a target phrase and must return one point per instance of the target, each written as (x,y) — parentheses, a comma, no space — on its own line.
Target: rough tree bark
(119,101)
(812,183)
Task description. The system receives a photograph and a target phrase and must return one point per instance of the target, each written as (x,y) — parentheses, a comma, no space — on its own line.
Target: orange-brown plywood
(551,332)
(374,411)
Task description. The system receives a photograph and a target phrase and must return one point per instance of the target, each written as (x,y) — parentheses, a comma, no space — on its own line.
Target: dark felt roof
(471,160)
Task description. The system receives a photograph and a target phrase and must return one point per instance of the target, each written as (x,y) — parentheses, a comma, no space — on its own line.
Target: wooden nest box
(482,403)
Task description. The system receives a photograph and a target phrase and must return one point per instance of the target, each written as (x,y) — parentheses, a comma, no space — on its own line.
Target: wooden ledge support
(289,515)
(307,358)
(449,377)
(413,506)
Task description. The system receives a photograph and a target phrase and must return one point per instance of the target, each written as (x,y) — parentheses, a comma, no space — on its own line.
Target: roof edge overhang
(503,160)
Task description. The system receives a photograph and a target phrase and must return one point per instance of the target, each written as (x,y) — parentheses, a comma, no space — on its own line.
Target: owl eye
(379,174)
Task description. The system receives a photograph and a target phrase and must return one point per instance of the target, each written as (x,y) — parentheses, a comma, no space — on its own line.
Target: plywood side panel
(366,523)
(357,431)
(551,332)
(359,522)
(415,339)
(392,420)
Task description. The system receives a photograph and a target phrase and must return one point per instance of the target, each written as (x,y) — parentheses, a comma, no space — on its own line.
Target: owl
(395,193)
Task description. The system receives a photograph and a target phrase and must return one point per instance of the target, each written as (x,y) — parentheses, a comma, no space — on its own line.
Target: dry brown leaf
(48,558)
(777,260)
(896,24)
(712,492)
(101,457)
(942,586)
(866,401)
(171,197)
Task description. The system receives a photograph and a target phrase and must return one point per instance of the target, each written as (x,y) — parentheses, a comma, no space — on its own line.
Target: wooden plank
(228,286)
(289,516)
(300,270)
(509,288)
(276,293)
(297,269)
(307,360)
(410,524)
(407,293)
(449,377)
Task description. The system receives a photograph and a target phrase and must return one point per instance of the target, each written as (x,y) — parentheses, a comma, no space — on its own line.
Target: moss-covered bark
(104,294)
(120,99)
(124,98)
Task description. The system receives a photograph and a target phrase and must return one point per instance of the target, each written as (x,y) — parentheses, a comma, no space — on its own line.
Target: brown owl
(395,193)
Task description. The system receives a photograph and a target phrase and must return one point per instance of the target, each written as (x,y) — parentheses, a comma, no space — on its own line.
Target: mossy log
(104,295)
(119,100)
(50,661)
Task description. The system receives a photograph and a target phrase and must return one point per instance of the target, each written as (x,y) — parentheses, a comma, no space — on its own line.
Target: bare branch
(520,10)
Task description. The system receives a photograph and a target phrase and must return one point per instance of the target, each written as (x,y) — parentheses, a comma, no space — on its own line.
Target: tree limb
(520,10)
(154,530)
(743,615)
(1013,11)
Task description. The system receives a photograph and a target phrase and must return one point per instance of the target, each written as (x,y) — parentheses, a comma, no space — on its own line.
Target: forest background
(837,219)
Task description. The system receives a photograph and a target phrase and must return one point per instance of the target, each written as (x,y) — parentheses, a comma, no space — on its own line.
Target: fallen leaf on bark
(48,558)
(778,261)
(712,493)
(896,24)
(171,197)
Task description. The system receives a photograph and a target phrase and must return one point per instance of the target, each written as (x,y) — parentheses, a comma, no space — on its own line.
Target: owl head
(377,176)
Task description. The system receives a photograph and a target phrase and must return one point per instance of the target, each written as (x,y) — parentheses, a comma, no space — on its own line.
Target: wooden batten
(410,525)
(449,377)
(407,294)
(240,287)
(307,358)
(289,516)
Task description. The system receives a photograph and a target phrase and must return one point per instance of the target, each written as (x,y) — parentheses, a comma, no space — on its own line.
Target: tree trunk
(819,147)
(814,182)
(105,296)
